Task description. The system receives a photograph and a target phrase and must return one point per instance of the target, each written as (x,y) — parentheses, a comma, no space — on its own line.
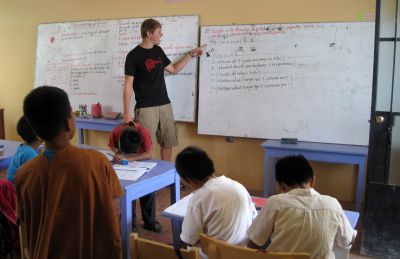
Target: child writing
(26,151)
(220,207)
(68,198)
(300,219)
(131,141)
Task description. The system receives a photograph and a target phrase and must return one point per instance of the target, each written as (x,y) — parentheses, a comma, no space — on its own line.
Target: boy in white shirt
(300,219)
(220,207)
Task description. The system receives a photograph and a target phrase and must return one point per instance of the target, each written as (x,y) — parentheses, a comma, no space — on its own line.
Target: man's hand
(197,52)
(127,117)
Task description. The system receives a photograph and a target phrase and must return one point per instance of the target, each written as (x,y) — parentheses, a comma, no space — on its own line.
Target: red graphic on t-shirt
(151,63)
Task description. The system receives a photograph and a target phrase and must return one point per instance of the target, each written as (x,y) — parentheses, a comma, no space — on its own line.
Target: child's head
(293,171)
(129,141)
(192,163)
(25,131)
(48,111)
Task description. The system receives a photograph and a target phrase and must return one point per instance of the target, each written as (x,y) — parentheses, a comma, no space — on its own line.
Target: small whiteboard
(311,81)
(87,59)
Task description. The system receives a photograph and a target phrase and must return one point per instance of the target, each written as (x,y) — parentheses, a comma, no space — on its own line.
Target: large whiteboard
(311,81)
(87,59)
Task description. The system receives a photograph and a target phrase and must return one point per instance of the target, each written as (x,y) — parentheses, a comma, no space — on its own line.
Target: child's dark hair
(25,131)
(47,109)
(293,170)
(129,141)
(194,163)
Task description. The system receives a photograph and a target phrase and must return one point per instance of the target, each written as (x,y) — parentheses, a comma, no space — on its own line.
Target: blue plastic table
(321,152)
(9,151)
(90,123)
(162,175)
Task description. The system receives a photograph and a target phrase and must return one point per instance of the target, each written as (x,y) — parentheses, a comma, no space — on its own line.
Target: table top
(9,147)
(90,119)
(8,151)
(162,167)
(177,211)
(319,147)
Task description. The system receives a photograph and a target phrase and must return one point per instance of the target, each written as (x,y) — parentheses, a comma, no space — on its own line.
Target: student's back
(220,207)
(26,151)
(23,154)
(226,212)
(69,205)
(67,197)
(302,220)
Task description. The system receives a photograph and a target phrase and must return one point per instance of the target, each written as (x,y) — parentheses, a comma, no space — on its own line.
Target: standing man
(144,73)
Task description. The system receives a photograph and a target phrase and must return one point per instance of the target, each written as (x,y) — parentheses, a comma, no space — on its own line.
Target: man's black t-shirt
(147,68)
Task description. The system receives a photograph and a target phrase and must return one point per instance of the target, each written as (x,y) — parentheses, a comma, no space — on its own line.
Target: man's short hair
(149,25)
(25,131)
(293,170)
(47,110)
(194,163)
(129,141)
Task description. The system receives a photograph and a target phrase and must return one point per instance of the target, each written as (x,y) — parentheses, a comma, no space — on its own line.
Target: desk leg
(360,183)
(176,224)
(126,224)
(266,175)
(81,137)
(176,232)
(175,189)
(273,180)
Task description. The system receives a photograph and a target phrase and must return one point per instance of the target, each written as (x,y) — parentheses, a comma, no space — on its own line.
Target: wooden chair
(23,242)
(217,249)
(147,249)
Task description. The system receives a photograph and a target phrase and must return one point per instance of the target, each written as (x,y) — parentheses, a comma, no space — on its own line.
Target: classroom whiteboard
(87,59)
(311,81)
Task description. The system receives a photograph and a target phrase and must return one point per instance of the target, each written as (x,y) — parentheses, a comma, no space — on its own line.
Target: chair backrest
(217,249)
(147,249)
(23,242)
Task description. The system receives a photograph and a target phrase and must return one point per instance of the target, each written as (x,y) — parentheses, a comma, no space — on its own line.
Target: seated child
(300,219)
(131,141)
(220,207)
(68,198)
(26,151)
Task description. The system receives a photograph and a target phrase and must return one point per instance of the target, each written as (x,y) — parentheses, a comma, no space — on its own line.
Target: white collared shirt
(221,208)
(302,220)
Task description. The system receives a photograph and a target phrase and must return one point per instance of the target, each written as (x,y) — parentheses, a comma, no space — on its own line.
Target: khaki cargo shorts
(159,120)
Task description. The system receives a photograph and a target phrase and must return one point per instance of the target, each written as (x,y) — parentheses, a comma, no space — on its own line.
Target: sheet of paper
(131,175)
(108,153)
(133,170)
(179,208)
(142,164)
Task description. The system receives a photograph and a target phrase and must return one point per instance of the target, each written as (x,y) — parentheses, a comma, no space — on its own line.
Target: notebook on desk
(133,170)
